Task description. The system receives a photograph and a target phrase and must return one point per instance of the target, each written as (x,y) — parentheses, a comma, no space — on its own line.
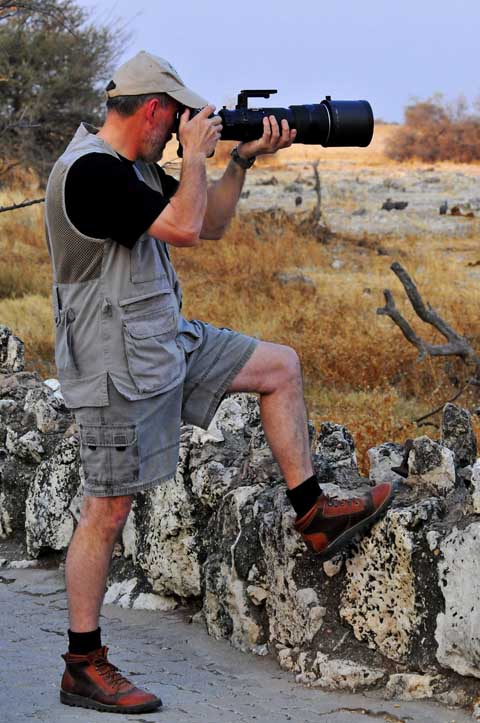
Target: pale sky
(382,50)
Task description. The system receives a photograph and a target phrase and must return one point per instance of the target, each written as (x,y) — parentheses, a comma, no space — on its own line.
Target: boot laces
(335,502)
(111,673)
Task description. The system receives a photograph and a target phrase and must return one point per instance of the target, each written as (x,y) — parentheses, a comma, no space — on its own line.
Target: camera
(331,123)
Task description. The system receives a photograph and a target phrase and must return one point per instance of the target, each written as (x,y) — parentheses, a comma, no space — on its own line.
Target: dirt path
(200,680)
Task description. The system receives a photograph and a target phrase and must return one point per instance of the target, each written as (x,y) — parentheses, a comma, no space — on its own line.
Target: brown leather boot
(90,681)
(331,523)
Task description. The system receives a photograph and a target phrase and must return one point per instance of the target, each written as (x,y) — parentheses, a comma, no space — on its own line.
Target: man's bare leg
(275,373)
(89,555)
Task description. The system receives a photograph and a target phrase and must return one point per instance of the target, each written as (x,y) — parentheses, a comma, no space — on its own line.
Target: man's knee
(291,366)
(287,369)
(107,513)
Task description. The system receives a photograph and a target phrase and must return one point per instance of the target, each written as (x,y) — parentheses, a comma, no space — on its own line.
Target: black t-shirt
(104,198)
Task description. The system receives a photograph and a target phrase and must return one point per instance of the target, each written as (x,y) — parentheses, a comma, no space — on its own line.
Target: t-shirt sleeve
(104,198)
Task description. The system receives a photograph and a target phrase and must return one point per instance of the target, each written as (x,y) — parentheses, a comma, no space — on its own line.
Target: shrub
(437,131)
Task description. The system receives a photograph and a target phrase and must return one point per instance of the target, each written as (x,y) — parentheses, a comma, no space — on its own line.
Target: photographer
(131,366)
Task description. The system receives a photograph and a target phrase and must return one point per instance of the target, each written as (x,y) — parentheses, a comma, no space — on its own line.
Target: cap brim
(188,98)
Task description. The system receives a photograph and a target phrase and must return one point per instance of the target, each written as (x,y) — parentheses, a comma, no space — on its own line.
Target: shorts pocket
(155,361)
(109,454)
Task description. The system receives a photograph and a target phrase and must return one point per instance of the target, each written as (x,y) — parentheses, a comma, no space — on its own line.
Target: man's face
(160,131)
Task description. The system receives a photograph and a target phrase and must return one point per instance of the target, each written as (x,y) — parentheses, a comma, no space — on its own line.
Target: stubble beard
(154,147)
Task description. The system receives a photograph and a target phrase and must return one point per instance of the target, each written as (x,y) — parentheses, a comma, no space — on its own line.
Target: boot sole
(340,542)
(82,702)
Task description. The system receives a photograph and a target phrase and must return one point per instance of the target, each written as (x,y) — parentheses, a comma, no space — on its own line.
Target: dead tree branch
(24,204)
(456,344)
(318,190)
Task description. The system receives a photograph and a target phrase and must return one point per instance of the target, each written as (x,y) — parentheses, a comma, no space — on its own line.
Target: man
(131,366)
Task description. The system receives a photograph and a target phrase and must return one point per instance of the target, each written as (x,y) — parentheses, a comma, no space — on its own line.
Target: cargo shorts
(131,446)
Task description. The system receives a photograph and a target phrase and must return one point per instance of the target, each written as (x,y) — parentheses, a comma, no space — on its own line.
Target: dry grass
(358,369)
(25,278)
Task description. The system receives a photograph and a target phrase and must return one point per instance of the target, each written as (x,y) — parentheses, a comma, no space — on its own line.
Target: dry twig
(23,204)
(318,190)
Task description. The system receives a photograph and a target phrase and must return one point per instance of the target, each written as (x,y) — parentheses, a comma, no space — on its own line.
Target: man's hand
(273,139)
(201,134)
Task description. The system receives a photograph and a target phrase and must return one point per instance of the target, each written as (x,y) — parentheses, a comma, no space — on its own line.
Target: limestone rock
(228,607)
(7,407)
(336,445)
(431,466)
(475,484)
(163,527)
(333,566)
(338,674)
(120,593)
(295,613)
(458,628)
(5,519)
(212,481)
(28,447)
(151,601)
(12,351)
(54,386)
(382,459)
(458,434)
(379,598)
(411,686)
(48,520)
(43,407)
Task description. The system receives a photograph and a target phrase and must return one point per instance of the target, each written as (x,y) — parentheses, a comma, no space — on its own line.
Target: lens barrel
(329,123)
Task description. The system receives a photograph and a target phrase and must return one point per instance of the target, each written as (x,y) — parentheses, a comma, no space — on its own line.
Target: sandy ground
(355,183)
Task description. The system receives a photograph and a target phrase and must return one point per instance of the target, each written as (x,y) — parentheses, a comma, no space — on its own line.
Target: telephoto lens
(331,123)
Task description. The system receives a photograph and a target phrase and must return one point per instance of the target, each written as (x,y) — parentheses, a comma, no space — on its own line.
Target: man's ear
(152,108)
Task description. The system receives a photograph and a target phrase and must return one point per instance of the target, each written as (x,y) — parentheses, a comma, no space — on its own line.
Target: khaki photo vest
(116,310)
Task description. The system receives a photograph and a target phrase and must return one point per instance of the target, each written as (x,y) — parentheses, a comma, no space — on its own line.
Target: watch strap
(244,163)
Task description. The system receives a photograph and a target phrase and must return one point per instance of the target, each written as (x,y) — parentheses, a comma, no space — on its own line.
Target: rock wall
(397,612)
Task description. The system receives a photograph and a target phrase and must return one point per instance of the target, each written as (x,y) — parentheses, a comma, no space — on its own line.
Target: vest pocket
(145,262)
(154,359)
(64,343)
(109,454)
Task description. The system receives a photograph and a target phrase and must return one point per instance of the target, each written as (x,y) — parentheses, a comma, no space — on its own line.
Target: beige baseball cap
(146,73)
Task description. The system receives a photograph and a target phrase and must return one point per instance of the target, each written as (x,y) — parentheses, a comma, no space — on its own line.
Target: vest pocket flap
(96,436)
(144,297)
(153,326)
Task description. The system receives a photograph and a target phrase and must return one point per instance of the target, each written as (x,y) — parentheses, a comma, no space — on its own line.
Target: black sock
(304,496)
(84,643)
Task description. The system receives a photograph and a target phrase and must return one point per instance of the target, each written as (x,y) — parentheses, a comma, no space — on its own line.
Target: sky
(388,52)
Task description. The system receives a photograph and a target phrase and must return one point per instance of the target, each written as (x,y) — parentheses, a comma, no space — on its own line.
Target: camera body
(331,123)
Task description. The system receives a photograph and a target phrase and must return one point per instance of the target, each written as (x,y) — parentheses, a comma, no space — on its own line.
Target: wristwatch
(244,163)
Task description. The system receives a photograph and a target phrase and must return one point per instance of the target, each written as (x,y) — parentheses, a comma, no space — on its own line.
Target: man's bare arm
(223,195)
(181,221)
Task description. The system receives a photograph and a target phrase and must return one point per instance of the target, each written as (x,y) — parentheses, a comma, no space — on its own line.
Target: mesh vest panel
(76,259)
